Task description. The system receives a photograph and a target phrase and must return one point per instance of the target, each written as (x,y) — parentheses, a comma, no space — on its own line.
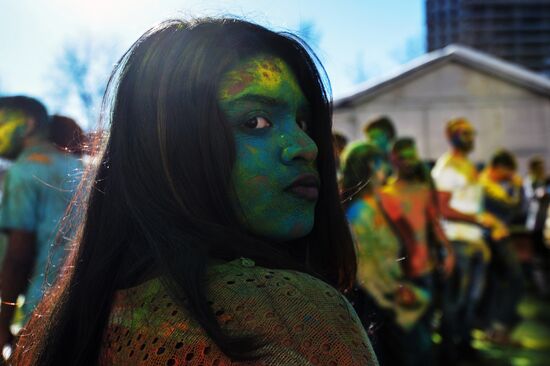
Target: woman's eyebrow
(260,99)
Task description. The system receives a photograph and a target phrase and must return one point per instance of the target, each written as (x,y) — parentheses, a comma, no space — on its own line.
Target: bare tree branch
(307,30)
(82,71)
(412,48)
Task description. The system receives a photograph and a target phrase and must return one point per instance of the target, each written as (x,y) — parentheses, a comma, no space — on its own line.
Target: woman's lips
(306,186)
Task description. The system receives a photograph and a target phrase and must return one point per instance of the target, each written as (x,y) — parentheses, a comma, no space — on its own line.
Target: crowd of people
(220,221)
(435,244)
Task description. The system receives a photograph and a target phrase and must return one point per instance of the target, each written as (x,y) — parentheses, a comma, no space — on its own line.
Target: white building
(508,105)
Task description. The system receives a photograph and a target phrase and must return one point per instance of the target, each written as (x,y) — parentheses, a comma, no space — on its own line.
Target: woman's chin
(289,232)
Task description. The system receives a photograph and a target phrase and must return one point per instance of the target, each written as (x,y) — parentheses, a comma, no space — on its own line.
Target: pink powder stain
(244,79)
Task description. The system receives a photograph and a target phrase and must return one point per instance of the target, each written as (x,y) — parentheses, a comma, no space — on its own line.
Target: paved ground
(533,333)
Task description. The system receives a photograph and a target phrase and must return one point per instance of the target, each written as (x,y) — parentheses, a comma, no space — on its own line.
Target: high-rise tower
(514,30)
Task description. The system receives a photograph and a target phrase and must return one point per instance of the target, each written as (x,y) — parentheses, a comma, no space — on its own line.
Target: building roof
(453,53)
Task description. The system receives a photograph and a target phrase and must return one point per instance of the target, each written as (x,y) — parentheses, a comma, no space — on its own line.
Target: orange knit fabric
(303,321)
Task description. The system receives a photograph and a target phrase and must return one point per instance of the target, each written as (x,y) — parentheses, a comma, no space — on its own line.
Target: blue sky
(358,39)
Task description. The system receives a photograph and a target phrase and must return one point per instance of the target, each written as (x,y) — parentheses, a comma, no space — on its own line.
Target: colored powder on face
(263,103)
(406,162)
(266,74)
(379,138)
(463,137)
(12,130)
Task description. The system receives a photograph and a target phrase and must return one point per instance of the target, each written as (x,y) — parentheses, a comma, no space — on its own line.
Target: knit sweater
(300,319)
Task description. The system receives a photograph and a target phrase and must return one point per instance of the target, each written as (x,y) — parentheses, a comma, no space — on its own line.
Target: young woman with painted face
(213,232)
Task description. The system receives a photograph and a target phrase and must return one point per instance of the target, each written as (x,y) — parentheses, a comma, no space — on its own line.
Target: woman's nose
(299,148)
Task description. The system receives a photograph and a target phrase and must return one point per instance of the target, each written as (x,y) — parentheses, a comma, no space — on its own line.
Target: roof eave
(453,53)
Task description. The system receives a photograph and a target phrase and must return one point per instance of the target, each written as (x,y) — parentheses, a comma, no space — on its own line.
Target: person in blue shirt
(37,189)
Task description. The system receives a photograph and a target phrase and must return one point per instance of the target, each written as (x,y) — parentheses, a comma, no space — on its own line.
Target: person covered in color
(429,256)
(38,187)
(503,194)
(380,132)
(213,232)
(502,187)
(461,204)
(410,186)
(387,302)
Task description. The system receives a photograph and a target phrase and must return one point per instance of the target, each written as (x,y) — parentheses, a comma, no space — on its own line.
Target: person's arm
(16,270)
(446,181)
(484,219)
(449,213)
(434,221)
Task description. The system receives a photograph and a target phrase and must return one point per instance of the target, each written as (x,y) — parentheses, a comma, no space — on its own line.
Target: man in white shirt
(461,204)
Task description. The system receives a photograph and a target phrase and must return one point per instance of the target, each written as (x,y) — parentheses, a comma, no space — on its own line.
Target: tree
(361,73)
(82,71)
(414,47)
(307,30)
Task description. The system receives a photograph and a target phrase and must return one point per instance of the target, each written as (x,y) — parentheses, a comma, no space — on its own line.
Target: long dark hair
(67,135)
(158,203)
(358,163)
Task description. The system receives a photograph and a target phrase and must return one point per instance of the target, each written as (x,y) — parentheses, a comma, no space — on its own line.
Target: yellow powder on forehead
(6,130)
(267,72)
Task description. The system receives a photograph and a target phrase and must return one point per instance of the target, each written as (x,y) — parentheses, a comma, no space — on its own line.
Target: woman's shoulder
(287,295)
(302,319)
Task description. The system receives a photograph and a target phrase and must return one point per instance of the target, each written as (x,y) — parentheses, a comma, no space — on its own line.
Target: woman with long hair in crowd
(388,303)
(212,232)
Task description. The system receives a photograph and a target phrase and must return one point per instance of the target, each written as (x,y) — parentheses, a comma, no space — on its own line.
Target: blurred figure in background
(339,142)
(390,306)
(537,197)
(533,184)
(410,186)
(503,194)
(461,204)
(502,186)
(542,223)
(380,132)
(67,135)
(541,239)
(533,187)
(37,189)
(430,258)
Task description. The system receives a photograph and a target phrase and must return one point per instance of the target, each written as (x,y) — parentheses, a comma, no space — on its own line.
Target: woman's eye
(302,124)
(257,123)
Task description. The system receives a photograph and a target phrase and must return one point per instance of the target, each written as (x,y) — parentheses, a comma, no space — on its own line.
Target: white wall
(504,114)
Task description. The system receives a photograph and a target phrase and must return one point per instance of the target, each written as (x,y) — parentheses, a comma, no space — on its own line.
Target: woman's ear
(30,126)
